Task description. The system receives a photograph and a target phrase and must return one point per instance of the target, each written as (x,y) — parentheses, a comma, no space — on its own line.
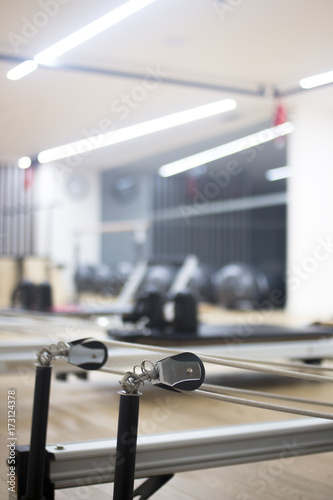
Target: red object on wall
(280,116)
(191,186)
(29,174)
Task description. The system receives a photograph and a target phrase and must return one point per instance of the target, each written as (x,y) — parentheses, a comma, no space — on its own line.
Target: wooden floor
(81,410)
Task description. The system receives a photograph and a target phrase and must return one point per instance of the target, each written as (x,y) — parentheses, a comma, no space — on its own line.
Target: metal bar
(126,446)
(260,91)
(92,462)
(131,286)
(36,464)
(295,90)
(225,206)
(115,227)
(19,357)
(184,274)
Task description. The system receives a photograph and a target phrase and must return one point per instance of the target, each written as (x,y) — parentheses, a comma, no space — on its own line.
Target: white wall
(61,214)
(310,219)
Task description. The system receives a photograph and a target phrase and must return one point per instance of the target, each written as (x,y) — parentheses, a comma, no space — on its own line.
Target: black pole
(126,446)
(36,464)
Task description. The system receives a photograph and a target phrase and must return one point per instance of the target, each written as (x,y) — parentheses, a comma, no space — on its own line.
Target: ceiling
(247,46)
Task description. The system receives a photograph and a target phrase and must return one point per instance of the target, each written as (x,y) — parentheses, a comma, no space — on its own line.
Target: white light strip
(316,80)
(165,122)
(22,70)
(275,174)
(226,149)
(79,36)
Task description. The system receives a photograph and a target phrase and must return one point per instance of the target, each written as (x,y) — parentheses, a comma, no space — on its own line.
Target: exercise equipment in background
(241,286)
(159,277)
(159,319)
(30,296)
(161,274)
(84,279)
(102,279)
(201,283)
(165,314)
(174,278)
(24,295)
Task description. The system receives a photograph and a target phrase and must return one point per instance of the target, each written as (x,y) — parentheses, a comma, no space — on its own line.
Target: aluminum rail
(93,462)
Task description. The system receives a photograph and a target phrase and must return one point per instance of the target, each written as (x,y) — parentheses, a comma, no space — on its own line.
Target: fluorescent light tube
(91,30)
(165,122)
(316,80)
(275,174)
(225,149)
(22,70)
(80,36)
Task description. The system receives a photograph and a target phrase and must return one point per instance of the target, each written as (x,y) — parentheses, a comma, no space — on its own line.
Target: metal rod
(21,355)
(126,446)
(224,207)
(36,464)
(295,90)
(258,91)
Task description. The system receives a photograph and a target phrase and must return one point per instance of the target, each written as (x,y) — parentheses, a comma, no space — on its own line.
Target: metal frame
(43,469)
(93,462)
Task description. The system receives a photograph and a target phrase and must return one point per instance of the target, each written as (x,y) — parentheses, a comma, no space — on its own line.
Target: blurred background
(191,127)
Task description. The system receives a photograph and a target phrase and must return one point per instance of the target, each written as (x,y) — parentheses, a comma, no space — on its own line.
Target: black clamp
(87,354)
(183,372)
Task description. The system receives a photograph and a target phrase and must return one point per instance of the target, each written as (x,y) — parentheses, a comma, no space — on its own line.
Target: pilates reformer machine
(174,281)
(42,468)
(171,322)
(263,342)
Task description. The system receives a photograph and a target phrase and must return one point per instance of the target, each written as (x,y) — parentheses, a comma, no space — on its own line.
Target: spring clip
(47,354)
(131,381)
